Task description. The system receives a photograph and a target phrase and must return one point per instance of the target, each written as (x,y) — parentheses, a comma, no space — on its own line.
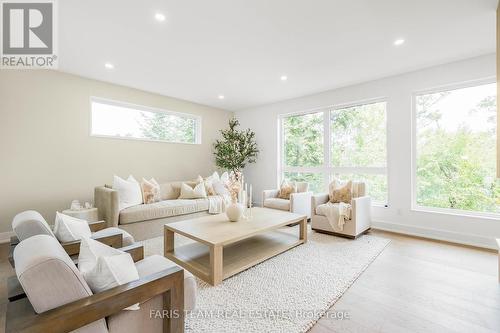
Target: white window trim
(428,209)
(197,118)
(326,169)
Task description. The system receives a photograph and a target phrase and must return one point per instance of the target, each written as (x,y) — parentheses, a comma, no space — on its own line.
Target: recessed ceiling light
(399,42)
(109,65)
(160,17)
(221,96)
(284,77)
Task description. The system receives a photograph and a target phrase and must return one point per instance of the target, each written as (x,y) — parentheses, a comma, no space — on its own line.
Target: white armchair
(300,201)
(360,220)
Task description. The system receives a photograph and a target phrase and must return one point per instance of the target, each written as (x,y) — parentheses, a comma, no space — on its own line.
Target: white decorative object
(234,211)
(70,229)
(75,205)
(104,267)
(129,191)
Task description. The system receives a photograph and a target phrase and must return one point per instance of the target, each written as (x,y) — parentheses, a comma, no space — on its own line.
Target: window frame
(326,169)
(442,88)
(101,100)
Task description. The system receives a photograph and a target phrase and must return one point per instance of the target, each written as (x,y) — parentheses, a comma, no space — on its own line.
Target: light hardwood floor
(419,285)
(415,285)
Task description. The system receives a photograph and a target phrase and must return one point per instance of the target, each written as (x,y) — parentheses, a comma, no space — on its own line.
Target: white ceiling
(240,48)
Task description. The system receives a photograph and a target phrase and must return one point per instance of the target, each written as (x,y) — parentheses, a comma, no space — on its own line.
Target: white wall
(398,91)
(47,157)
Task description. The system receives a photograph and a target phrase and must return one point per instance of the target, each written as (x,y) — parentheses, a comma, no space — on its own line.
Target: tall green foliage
(236,149)
(168,127)
(304,140)
(455,169)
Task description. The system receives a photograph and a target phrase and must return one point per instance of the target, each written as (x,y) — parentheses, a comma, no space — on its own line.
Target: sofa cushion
(156,263)
(277,203)
(165,208)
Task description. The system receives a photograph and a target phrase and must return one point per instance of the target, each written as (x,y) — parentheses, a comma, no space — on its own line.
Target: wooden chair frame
(21,317)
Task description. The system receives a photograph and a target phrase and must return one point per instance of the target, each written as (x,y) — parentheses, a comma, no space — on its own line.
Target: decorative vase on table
(234,211)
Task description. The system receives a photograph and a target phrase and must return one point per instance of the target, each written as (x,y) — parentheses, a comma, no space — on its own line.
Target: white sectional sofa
(146,220)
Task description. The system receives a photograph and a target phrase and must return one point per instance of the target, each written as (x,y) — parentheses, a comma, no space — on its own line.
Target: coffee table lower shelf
(196,257)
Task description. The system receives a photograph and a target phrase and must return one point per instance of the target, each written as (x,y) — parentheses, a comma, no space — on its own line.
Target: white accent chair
(360,220)
(30,223)
(300,201)
(52,282)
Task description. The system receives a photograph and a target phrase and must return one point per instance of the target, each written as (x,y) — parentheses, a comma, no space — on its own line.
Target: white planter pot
(234,212)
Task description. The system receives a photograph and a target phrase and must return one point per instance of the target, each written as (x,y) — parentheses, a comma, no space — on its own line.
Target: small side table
(89,214)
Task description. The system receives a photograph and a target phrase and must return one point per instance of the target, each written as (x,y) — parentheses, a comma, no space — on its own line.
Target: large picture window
(455,149)
(127,121)
(342,142)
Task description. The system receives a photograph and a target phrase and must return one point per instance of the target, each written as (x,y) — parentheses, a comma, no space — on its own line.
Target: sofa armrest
(318,199)
(107,202)
(300,203)
(266,194)
(361,212)
(169,283)
(135,250)
(97,226)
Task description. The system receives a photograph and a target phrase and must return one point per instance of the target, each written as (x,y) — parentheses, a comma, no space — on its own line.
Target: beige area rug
(287,293)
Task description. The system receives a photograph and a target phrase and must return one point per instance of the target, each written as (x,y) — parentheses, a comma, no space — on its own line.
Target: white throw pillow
(224,177)
(198,192)
(69,229)
(104,267)
(214,177)
(129,191)
(220,186)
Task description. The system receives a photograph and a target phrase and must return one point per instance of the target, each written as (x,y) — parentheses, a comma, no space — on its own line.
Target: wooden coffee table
(223,249)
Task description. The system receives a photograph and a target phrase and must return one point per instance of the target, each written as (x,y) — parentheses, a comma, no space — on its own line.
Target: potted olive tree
(233,152)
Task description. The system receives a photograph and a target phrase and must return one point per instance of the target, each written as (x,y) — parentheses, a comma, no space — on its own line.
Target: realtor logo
(28,34)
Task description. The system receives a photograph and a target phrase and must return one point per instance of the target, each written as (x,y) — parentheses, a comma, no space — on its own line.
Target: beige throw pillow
(340,193)
(150,191)
(198,192)
(286,189)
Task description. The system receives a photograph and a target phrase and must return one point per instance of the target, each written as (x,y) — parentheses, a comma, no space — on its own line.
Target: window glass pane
(456,135)
(376,185)
(114,120)
(303,140)
(315,180)
(358,136)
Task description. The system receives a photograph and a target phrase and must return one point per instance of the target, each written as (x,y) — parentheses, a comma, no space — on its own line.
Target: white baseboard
(5,236)
(443,235)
